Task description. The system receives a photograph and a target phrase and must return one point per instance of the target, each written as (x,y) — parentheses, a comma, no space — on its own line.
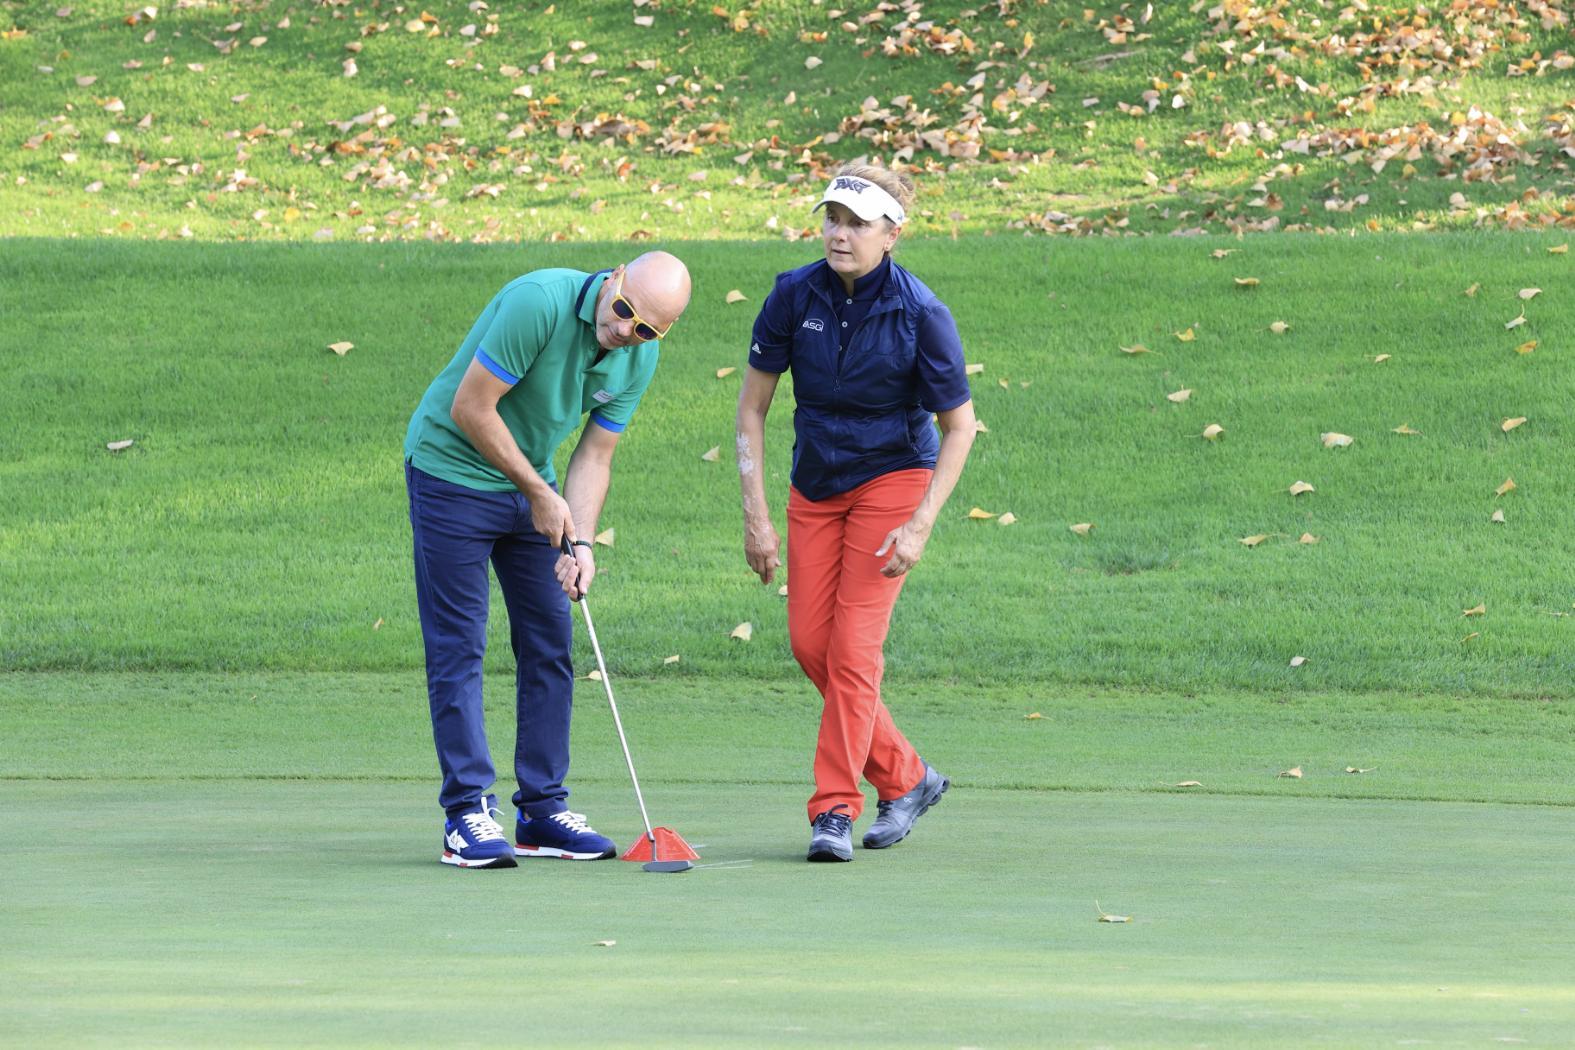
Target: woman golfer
(874,354)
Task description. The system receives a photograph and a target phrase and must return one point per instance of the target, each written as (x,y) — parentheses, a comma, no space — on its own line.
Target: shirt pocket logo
(604,396)
(812,323)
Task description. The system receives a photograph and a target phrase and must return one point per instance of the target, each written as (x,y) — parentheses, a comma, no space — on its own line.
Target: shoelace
(573,821)
(883,807)
(482,827)
(835,823)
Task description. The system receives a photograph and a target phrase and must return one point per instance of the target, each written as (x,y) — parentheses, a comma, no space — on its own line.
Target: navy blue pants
(457,531)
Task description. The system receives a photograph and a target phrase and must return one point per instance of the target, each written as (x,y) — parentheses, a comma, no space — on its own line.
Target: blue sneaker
(563,835)
(472,839)
(832,838)
(896,816)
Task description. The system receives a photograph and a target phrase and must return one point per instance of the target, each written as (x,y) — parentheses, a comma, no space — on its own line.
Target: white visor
(863,198)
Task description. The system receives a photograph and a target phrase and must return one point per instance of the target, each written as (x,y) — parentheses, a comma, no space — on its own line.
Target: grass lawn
(259,519)
(253,861)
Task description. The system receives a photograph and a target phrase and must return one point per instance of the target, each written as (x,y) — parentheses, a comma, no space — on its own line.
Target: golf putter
(655,863)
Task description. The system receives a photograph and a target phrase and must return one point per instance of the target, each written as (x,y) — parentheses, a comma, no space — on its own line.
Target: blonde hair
(896,183)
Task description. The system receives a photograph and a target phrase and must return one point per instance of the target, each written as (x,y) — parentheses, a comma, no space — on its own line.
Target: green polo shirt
(539,335)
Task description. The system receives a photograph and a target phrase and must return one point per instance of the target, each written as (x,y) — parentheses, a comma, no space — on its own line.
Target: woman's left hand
(906,544)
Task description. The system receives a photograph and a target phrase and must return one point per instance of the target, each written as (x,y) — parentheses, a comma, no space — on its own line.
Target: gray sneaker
(833,836)
(894,818)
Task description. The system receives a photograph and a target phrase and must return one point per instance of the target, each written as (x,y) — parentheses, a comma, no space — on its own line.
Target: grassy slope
(259,520)
(1076,153)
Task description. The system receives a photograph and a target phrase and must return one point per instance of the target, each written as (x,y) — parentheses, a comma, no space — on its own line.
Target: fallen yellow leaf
(1508,486)
(1498,516)
(670,660)
(1186,337)
(782,591)
(1511,423)
(1103,917)
(341,348)
(712,454)
(1190,784)
(1082,528)
(1253,541)
(119,446)
(1295,773)
(1006,519)
(1467,638)
(980,514)
(1335,440)
(1307,538)
(594,676)
(1212,431)
(1032,717)
(735,296)
(1527,347)
(1178,396)
(1246,282)
(1380,359)
(1279,328)
(1136,348)
(1406,430)
(1529,294)
(1517,322)
(1220,253)
(378,626)
(744,631)
(973,370)
(723,373)
(605,944)
(1353,769)
(1479,609)
(1472,291)
(606,537)
(1299,487)
(1297,661)
(1559,249)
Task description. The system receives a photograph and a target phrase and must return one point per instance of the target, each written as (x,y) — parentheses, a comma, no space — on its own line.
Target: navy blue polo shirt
(869,370)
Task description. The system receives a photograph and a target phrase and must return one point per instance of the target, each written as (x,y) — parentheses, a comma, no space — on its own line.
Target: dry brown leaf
(1212,432)
(1246,282)
(712,454)
(1297,661)
(1307,538)
(1406,430)
(1299,487)
(1004,385)
(1220,253)
(1006,519)
(1559,249)
(120,446)
(1471,293)
(378,626)
(980,514)
(723,373)
(341,348)
(735,296)
(744,631)
(1529,294)
(1279,328)
(1380,359)
(811,62)
(606,537)
(1178,396)
(979,427)
(1527,347)
(782,591)
(1136,348)
(973,370)
(1516,323)
(1187,336)
(1336,440)
(1082,528)
(1497,517)
(1467,638)
(1253,541)
(1511,423)
(668,661)
(1508,486)
(1035,716)
(593,676)
(1294,773)
(1480,609)
(1189,784)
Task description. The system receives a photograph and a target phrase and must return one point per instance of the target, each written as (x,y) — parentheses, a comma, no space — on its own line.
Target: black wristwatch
(580,543)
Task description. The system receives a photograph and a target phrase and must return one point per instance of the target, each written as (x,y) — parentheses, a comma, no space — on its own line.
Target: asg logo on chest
(814,325)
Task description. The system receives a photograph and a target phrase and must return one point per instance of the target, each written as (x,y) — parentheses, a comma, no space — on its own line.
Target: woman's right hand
(762,548)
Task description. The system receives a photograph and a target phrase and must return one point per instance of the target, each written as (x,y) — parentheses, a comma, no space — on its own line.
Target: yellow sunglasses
(625,312)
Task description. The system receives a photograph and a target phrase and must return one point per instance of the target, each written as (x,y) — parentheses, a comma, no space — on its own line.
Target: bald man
(550,348)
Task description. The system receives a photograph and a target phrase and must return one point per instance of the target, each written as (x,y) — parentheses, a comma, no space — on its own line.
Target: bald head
(660,283)
(655,285)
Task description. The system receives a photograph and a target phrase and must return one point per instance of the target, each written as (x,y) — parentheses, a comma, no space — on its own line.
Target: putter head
(667,865)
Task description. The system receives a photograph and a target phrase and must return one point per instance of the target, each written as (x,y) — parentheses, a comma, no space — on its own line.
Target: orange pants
(839,609)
